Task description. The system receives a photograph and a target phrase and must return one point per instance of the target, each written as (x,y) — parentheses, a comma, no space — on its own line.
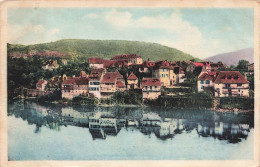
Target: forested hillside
(81,50)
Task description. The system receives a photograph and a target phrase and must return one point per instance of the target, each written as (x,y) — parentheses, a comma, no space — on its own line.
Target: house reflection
(163,128)
(103,123)
(231,132)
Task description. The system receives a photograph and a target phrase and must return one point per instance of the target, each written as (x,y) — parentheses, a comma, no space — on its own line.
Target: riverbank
(198,101)
(65,104)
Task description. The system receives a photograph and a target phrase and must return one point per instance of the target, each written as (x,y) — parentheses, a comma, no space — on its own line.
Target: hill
(81,49)
(232,58)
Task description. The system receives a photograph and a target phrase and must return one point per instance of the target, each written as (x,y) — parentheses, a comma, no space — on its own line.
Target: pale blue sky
(200,32)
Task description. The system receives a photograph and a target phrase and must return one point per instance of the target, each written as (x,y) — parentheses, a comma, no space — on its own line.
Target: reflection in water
(103,121)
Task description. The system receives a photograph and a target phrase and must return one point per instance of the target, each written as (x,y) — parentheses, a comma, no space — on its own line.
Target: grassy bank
(236,102)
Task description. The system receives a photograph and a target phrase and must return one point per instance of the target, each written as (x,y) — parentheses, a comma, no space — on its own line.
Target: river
(54,132)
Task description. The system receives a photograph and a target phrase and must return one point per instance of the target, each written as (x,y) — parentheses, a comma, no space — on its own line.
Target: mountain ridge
(82,49)
(232,58)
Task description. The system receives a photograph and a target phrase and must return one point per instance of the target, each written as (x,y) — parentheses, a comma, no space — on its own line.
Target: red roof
(76,81)
(212,72)
(95,60)
(109,63)
(40,82)
(206,76)
(121,63)
(81,81)
(132,77)
(97,70)
(110,77)
(128,56)
(151,82)
(96,73)
(230,77)
(198,64)
(205,63)
(148,64)
(70,81)
(120,84)
(165,64)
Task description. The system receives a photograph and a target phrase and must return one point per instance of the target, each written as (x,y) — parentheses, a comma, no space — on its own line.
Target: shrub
(198,100)
(237,102)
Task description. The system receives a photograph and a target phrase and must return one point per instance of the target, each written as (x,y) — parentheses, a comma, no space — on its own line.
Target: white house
(231,83)
(96,62)
(94,82)
(205,80)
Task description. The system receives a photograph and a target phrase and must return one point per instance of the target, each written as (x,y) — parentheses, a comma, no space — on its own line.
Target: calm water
(53,132)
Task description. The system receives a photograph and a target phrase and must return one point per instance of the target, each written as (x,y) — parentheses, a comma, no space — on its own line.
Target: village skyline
(143,82)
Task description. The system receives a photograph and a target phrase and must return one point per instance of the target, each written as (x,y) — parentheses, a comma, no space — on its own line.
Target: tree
(250,78)
(242,64)
(190,81)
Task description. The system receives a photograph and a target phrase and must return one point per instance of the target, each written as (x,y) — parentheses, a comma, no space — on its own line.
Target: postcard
(130,83)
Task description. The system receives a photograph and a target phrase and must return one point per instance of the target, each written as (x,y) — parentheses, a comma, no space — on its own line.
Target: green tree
(191,81)
(251,80)
(242,64)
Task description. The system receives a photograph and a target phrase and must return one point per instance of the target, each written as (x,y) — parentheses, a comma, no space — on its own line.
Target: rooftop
(95,60)
(230,77)
(70,81)
(120,84)
(125,56)
(151,82)
(132,77)
(110,77)
(206,76)
(40,82)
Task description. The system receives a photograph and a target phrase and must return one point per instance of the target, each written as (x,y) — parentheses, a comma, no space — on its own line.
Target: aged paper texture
(130,83)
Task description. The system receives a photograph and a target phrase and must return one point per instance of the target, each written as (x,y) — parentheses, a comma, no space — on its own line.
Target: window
(93,89)
(207,81)
(166,75)
(201,82)
(151,87)
(227,85)
(155,87)
(202,87)
(145,87)
(239,84)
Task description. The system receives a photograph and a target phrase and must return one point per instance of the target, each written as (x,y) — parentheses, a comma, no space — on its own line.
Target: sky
(201,32)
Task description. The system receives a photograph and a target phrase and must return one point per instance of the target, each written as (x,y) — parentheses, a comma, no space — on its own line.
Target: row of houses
(169,72)
(150,78)
(101,84)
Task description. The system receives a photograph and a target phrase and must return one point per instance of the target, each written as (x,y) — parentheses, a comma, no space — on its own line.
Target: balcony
(108,89)
(236,87)
(151,90)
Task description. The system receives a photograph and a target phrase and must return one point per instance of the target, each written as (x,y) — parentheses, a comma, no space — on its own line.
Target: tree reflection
(164,124)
